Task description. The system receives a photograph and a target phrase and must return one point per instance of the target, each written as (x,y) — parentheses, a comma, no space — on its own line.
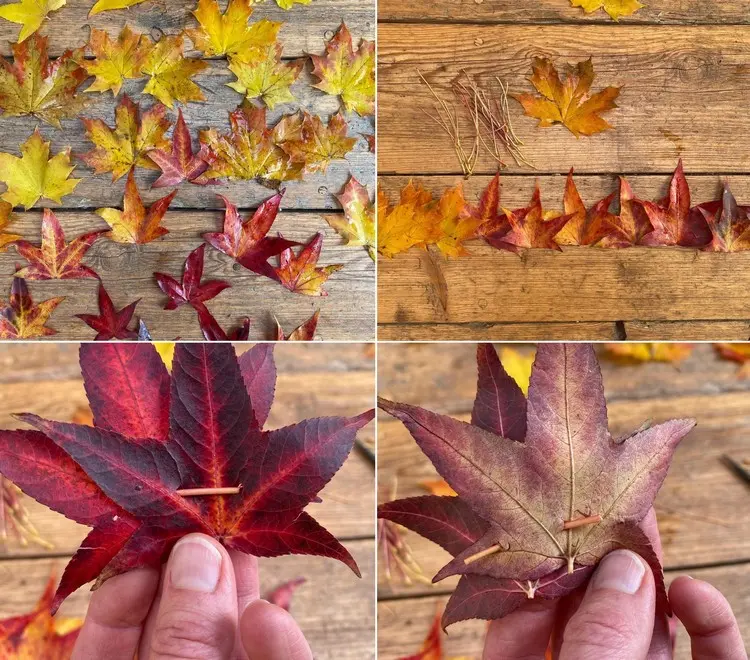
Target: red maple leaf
(20,318)
(139,476)
(304,332)
(212,331)
(110,323)
(246,242)
(190,290)
(55,259)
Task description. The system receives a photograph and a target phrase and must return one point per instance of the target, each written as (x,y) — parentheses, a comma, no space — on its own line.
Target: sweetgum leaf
(585,227)
(137,463)
(110,323)
(20,318)
(300,273)
(729,223)
(304,332)
(190,290)
(632,225)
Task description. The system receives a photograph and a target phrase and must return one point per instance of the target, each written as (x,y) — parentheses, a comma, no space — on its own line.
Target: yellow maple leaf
(346,73)
(648,351)
(518,366)
(35,175)
(568,102)
(171,73)
(30,14)
(411,222)
(266,77)
(455,225)
(615,8)
(288,4)
(117,60)
(107,5)
(5,217)
(165,349)
(229,33)
(357,225)
(438,487)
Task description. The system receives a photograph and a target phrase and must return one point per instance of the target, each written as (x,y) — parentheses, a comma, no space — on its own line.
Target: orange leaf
(648,352)
(301,273)
(21,318)
(305,332)
(411,222)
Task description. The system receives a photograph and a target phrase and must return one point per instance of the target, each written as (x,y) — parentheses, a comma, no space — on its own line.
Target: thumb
(615,619)
(269,632)
(198,607)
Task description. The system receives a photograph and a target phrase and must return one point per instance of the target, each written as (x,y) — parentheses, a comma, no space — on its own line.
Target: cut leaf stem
(582,522)
(484,553)
(198,492)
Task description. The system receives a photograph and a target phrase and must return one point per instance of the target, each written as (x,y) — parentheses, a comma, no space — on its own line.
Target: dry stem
(196,492)
(15,518)
(483,553)
(582,522)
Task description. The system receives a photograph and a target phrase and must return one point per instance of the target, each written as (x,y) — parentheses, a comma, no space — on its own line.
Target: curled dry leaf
(140,475)
(615,8)
(519,528)
(568,101)
(301,274)
(110,323)
(108,5)
(171,72)
(357,227)
(635,352)
(135,223)
(266,76)
(116,60)
(20,318)
(37,634)
(126,145)
(347,73)
(30,14)
(304,332)
(55,259)
(33,85)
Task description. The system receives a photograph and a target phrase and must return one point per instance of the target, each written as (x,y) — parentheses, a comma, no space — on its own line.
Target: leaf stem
(581,522)
(484,553)
(197,492)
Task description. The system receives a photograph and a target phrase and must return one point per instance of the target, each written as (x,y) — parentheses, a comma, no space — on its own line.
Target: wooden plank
(686,330)
(305,29)
(658,68)
(334,609)
(348,312)
(657,12)
(606,331)
(403,624)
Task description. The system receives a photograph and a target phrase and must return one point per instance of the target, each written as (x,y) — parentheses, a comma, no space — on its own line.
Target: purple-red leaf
(110,323)
(190,290)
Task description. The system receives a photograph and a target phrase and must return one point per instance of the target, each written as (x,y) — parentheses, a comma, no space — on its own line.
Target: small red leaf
(110,323)
(190,290)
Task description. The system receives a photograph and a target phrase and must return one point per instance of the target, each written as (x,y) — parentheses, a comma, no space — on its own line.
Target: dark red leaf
(110,323)
(190,290)
(259,375)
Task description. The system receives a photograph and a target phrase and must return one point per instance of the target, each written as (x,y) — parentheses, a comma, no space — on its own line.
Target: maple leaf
(438,487)
(171,72)
(108,5)
(281,596)
(30,14)
(288,4)
(127,145)
(489,201)
(6,238)
(212,331)
(158,437)
(21,318)
(37,634)
(301,274)
(409,223)
(346,73)
(33,85)
(311,143)
(135,223)
(518,366)
(35,175)
(357,226)
(432,647)
(673,220)
(180,163)
(304,332)
(248,151)
(542,496)
(632,225)
(568,102)
(454,225)
(585,227)
(648,351)
(615,8)
(229,33)
(55,259)
(266,76)
(729,223)
(116,61)
(739,353)
(190,290)
(110,323)
(246,242)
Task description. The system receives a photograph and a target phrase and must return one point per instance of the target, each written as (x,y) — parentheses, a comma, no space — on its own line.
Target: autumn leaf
(568,101)
(357,226)
(190,290)
(110,323)
(247,242)
(115,60)
(37,635)
(518,366)
(229,33)
(5,218)
(288,4)
(585,227)
(739,353)
(133,475)
(266,77)
(165,349)
(454,225)
(212,331)
(248,151)
(55,259)
(304,332)
(30,14)
(632,225)
(432,647)
(674,222)
(728,222)
(281,596)
(301,274)
(409,223)
(135,223)
(311,143)
(20,318)
(33,85)
(108,5)
(127,145)
(438,487)
(171,72)
(543,536)
(489,202)
(615,8)
(347,73)
(635,352)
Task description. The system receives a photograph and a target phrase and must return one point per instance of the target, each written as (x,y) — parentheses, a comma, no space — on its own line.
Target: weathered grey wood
(335,609)
(127,271)
(305,31)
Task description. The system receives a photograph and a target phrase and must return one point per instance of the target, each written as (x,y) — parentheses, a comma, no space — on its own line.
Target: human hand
(204,605)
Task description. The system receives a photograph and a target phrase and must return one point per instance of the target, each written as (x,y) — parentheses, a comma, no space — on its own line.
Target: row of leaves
(420,220)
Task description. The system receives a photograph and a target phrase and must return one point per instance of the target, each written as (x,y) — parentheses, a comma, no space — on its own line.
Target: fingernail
(195,565)
(620,570)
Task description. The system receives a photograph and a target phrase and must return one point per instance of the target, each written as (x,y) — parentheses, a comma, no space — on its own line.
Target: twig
(197,492)
(483,553)
(582,522)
